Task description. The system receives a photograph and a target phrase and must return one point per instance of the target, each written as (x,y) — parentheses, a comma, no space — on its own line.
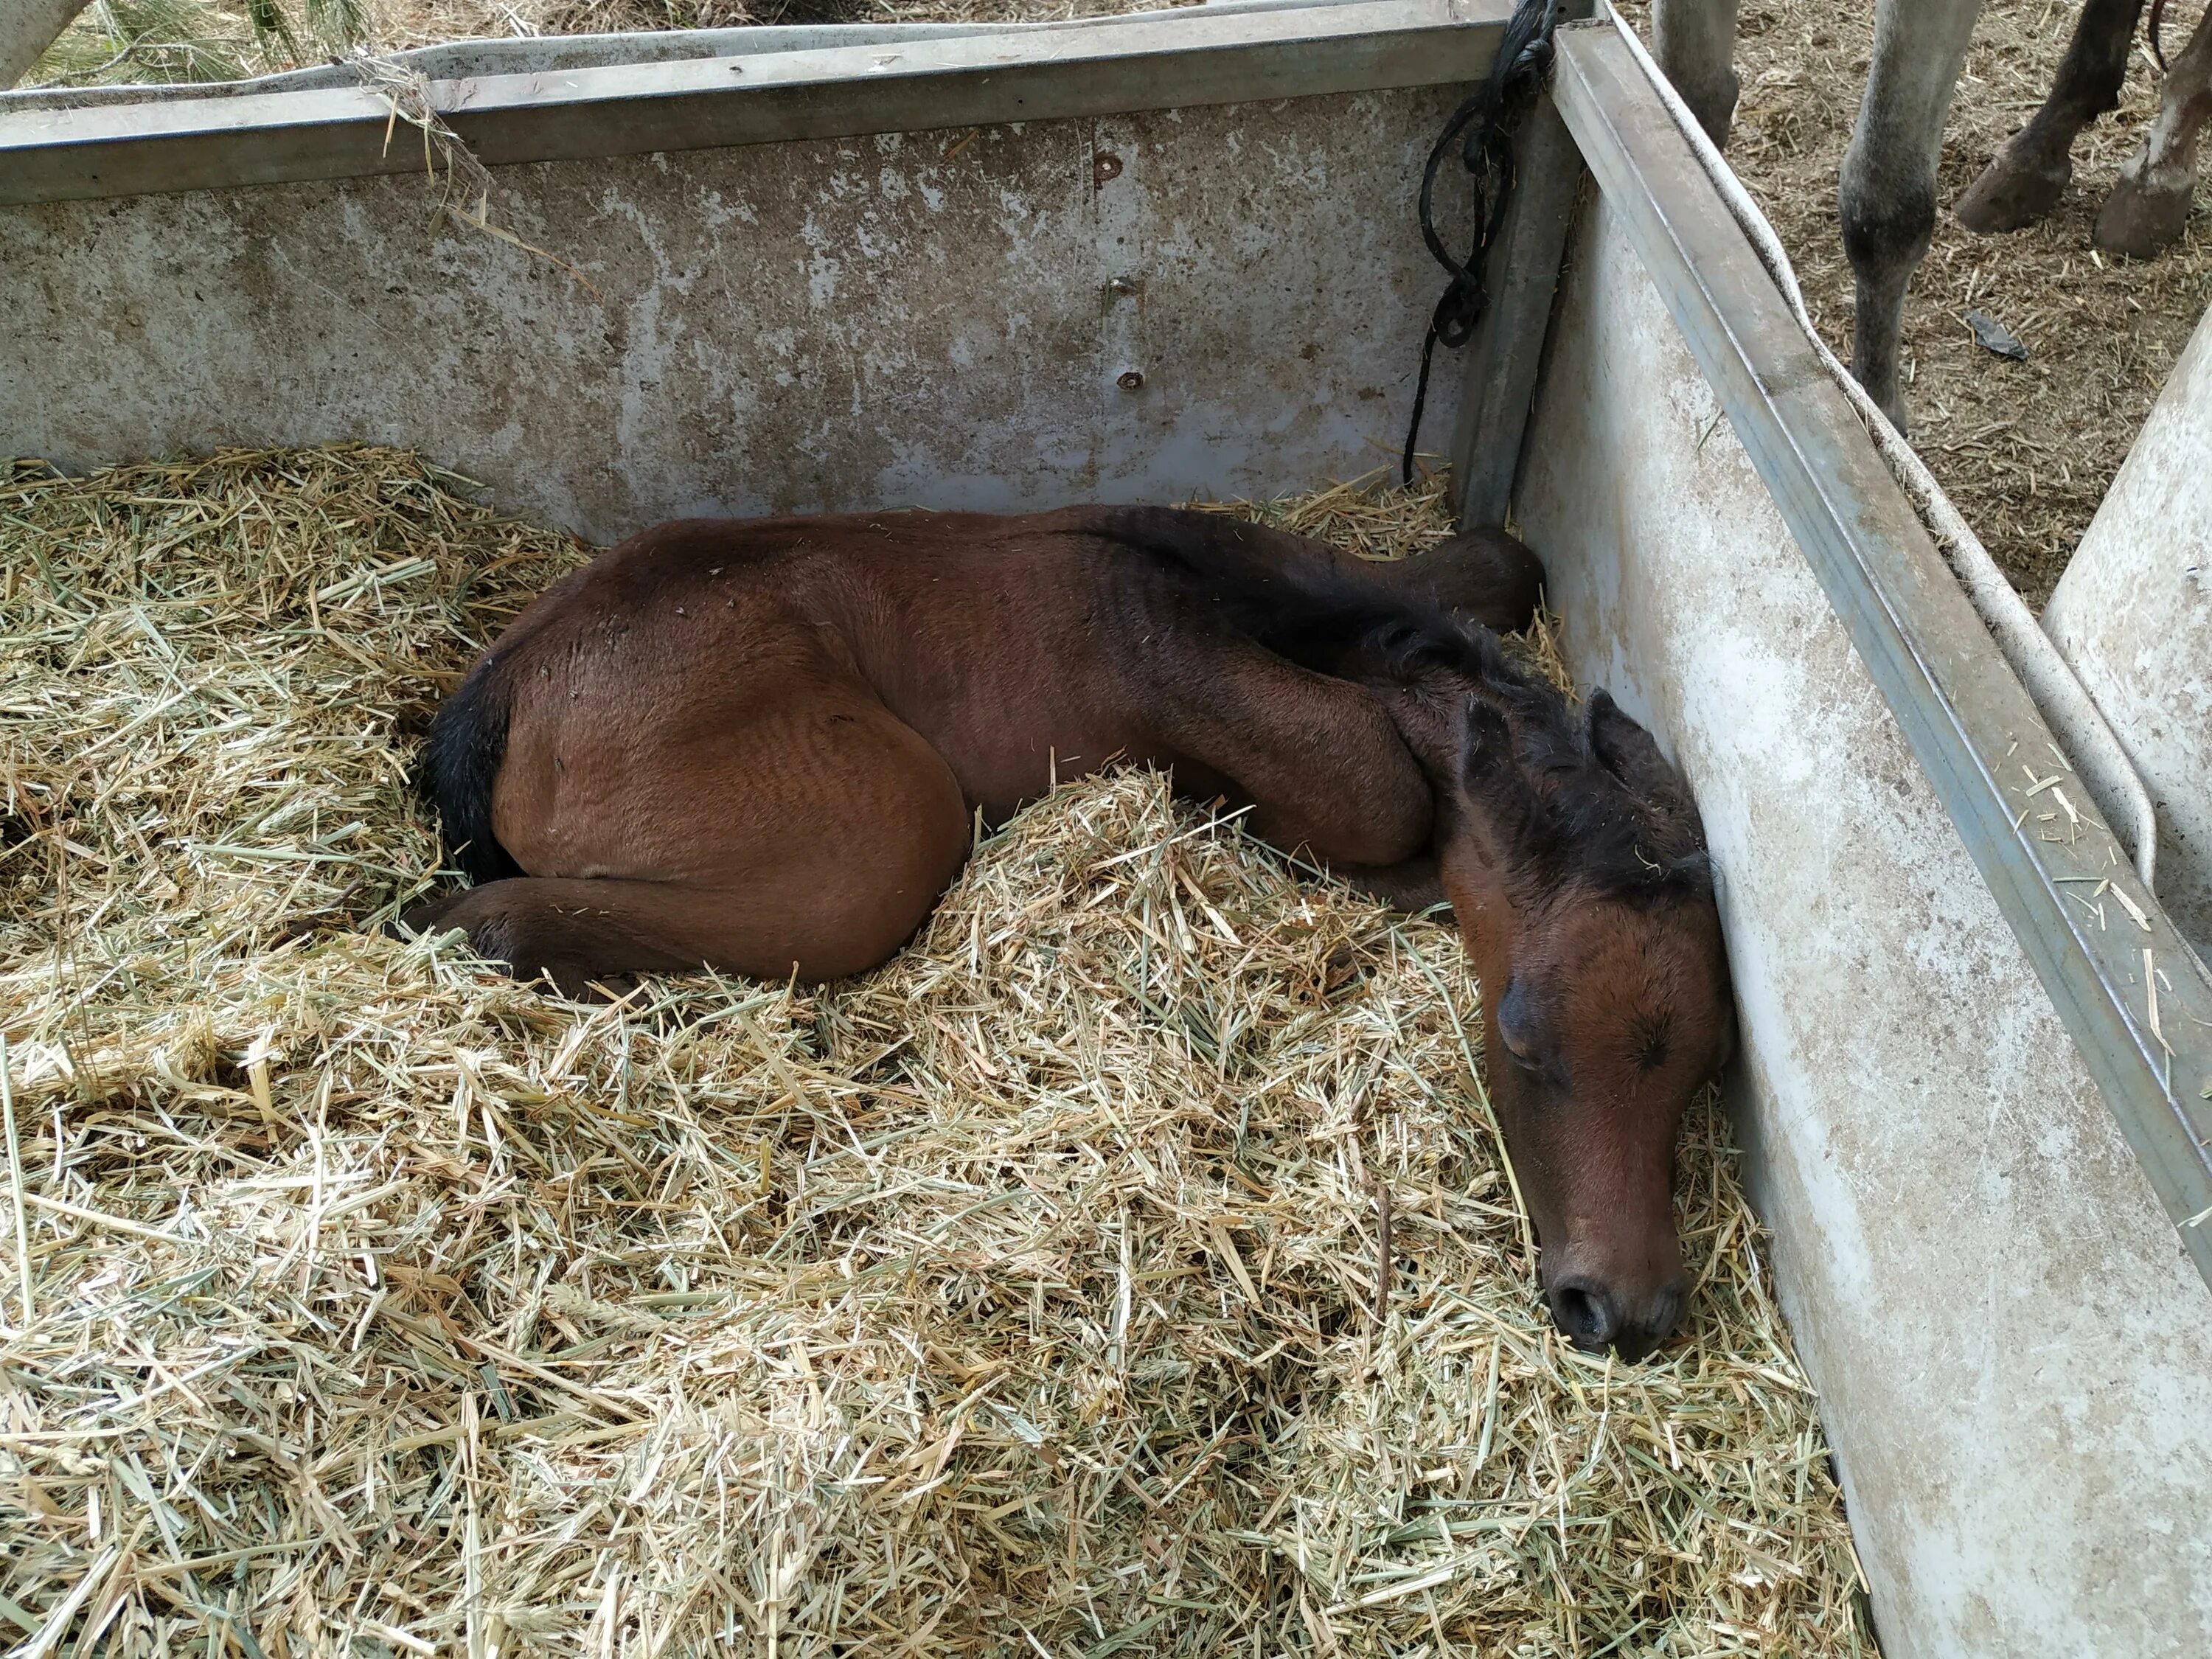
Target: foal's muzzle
(1595,1317)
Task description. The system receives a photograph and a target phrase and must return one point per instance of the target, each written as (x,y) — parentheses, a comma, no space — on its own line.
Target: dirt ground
(2027,450)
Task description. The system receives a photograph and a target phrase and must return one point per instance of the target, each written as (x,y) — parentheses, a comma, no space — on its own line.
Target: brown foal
(762,746)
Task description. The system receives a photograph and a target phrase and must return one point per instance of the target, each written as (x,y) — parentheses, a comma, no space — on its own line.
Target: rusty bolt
(1130,380)
(1105,167)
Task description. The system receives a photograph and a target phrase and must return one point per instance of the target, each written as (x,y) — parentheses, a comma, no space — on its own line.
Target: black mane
(1628,831)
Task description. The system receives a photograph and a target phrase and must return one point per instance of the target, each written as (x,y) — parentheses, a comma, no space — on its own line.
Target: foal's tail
(468,741)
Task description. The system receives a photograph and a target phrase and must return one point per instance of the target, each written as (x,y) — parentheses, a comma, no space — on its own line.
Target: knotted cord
(1480,128)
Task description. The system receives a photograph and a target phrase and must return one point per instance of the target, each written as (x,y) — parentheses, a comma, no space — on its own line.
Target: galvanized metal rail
(2118,974)
(1113,66)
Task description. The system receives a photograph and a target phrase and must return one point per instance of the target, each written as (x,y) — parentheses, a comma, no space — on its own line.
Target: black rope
(1480,128)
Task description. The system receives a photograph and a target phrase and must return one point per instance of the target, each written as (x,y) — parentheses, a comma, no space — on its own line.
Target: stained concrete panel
(1224,301)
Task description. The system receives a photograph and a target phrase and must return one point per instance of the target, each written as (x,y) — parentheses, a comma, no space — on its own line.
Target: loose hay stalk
(1014,1298)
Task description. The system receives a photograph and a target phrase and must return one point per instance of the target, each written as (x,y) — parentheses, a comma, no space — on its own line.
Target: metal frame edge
(1181,58)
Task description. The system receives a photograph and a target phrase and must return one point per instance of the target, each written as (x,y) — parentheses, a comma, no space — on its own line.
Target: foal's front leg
(1327,770)
(1323,764)
(1483,574)
(1414,887)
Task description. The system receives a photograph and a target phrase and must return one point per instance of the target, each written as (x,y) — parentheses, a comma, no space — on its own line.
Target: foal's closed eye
(1519,1030)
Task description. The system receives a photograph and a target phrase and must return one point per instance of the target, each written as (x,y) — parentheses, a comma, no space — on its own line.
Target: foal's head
(1575,865)
(1576,869)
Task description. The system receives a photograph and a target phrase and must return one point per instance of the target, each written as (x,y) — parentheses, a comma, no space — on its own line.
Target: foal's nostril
(1594,1318)
(1585,1315)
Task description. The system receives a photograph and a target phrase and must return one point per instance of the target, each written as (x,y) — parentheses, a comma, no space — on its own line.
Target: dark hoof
(1713,100)
(2142,221)
(2015,191)
(1483,574)
(1714,119)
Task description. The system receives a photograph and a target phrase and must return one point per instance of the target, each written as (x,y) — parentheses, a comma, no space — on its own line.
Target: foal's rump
(770,818)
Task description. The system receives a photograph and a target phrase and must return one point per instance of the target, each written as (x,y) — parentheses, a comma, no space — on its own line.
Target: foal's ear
(1485,748)
(1490,781)
(1628,752)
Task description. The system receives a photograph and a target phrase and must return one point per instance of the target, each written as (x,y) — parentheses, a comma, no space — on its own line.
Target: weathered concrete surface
(940,318)
(2133,614)
(2014,1355)
(28,28)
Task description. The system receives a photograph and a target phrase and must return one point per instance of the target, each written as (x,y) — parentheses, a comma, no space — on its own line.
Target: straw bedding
(1018,1298)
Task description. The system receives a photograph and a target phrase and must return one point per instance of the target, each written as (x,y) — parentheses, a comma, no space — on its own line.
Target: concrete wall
(2014,1357)
(2133,614)
(939,318)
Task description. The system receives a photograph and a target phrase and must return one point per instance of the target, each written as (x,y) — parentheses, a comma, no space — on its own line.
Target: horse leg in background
(2144,214)
(1694,44)
(2028,174)
(1887,193)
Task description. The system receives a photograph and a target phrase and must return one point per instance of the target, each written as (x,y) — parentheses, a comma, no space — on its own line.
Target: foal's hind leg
(2028,174)
(848,903)
(803,829)
(577,933)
